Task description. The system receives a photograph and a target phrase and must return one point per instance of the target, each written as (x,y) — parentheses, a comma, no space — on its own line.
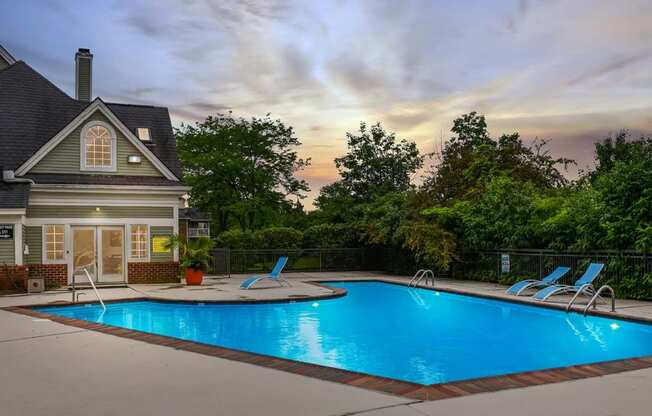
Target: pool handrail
(595,297)
(90,280)
(419,275)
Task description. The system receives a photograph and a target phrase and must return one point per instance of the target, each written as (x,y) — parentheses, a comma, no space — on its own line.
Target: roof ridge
(135,105)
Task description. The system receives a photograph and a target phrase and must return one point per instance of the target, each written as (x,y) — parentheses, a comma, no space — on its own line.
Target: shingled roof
(14,195)
(33,110)
(71,179)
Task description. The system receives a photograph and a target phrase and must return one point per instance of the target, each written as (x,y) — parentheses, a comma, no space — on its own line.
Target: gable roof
(96,106)
(33,111)
(157,119)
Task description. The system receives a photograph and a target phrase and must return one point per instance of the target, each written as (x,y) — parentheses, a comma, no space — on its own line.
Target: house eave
(111,188)
(12,211)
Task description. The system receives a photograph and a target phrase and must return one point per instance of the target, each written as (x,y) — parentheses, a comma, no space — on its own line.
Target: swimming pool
(390,330)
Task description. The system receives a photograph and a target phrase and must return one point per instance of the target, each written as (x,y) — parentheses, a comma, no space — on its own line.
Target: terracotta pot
(194,277)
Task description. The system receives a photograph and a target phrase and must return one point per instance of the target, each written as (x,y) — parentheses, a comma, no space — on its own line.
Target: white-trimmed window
(143,134)
(54,243)
(98,147)
(139,237)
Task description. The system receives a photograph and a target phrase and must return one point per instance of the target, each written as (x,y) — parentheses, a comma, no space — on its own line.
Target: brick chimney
(83,75)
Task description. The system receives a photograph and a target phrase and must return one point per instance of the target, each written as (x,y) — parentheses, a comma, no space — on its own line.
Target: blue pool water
(389,330)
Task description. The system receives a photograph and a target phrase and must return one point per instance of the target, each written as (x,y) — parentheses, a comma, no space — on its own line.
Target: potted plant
(194,254)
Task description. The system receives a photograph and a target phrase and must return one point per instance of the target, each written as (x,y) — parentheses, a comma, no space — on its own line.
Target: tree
(471,159)
(623,179)
(335,204)
(241,171)
(499,218)
(377,163)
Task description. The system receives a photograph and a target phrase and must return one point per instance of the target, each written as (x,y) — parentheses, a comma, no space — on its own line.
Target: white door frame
(71,252)
(98,249)
(100,254)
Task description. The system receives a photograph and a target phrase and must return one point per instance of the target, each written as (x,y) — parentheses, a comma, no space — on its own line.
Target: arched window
(98,147)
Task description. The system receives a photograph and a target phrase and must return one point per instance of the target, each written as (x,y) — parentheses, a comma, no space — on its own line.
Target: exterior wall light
(134,159)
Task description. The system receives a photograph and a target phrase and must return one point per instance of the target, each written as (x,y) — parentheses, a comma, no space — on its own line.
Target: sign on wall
(6,231)
(159,243)
(504,263)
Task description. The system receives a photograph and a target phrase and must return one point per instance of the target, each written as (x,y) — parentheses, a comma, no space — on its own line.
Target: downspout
(9,176)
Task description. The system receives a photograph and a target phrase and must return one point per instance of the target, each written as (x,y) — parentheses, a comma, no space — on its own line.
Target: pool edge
(367,381)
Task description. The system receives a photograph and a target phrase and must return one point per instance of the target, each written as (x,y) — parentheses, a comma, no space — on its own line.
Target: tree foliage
(377,163)
(471,159)
(483,193)
(265,238)
(242,171)
(331,236)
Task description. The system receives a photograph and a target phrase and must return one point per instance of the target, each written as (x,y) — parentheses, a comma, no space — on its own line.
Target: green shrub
(279,238)
(237,239)
(330,236)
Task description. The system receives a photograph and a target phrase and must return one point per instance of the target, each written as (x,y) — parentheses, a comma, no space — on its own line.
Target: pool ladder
(420,275)
(75,296)
(594,298)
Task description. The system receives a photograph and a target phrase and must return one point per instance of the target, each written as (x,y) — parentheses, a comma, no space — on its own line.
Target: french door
(101,251)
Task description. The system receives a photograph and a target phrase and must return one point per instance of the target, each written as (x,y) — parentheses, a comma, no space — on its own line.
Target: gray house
(86,184)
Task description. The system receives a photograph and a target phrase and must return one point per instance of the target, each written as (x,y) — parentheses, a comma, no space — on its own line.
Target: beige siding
(65,158)
(34,239)
(55,211)
(160,231)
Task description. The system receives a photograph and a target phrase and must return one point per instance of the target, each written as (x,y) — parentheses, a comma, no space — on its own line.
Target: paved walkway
(53,369)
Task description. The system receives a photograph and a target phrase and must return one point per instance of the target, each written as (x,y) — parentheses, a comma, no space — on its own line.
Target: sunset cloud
(572,72)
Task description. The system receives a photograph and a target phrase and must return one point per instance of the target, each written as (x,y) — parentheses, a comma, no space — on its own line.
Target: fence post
(227,256)
(540,264)
(320,260)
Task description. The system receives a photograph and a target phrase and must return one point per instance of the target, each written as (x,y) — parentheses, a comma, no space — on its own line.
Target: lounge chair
(520,287)
(274,276)
(583,285)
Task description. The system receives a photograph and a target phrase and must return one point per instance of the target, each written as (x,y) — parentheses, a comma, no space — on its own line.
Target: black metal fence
(227,262)
(629,273)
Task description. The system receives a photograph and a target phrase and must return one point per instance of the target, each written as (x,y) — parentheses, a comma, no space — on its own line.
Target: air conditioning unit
(35,285)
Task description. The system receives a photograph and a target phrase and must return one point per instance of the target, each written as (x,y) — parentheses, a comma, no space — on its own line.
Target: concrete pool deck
(50,368)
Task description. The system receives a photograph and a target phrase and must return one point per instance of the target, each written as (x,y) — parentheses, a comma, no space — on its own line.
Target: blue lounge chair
(274,276)
(583,285)
(519,288)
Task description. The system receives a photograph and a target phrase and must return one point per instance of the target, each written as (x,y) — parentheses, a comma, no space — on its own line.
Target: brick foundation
(154,272)
(55,275)
(13,277)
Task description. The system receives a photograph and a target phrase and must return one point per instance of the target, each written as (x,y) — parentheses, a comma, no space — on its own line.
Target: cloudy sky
(568,71)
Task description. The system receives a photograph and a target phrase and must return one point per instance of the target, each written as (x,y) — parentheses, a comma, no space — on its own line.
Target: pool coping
(416,391)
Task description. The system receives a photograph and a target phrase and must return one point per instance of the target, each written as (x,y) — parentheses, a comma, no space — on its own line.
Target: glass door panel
(111,262)
(84,253)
